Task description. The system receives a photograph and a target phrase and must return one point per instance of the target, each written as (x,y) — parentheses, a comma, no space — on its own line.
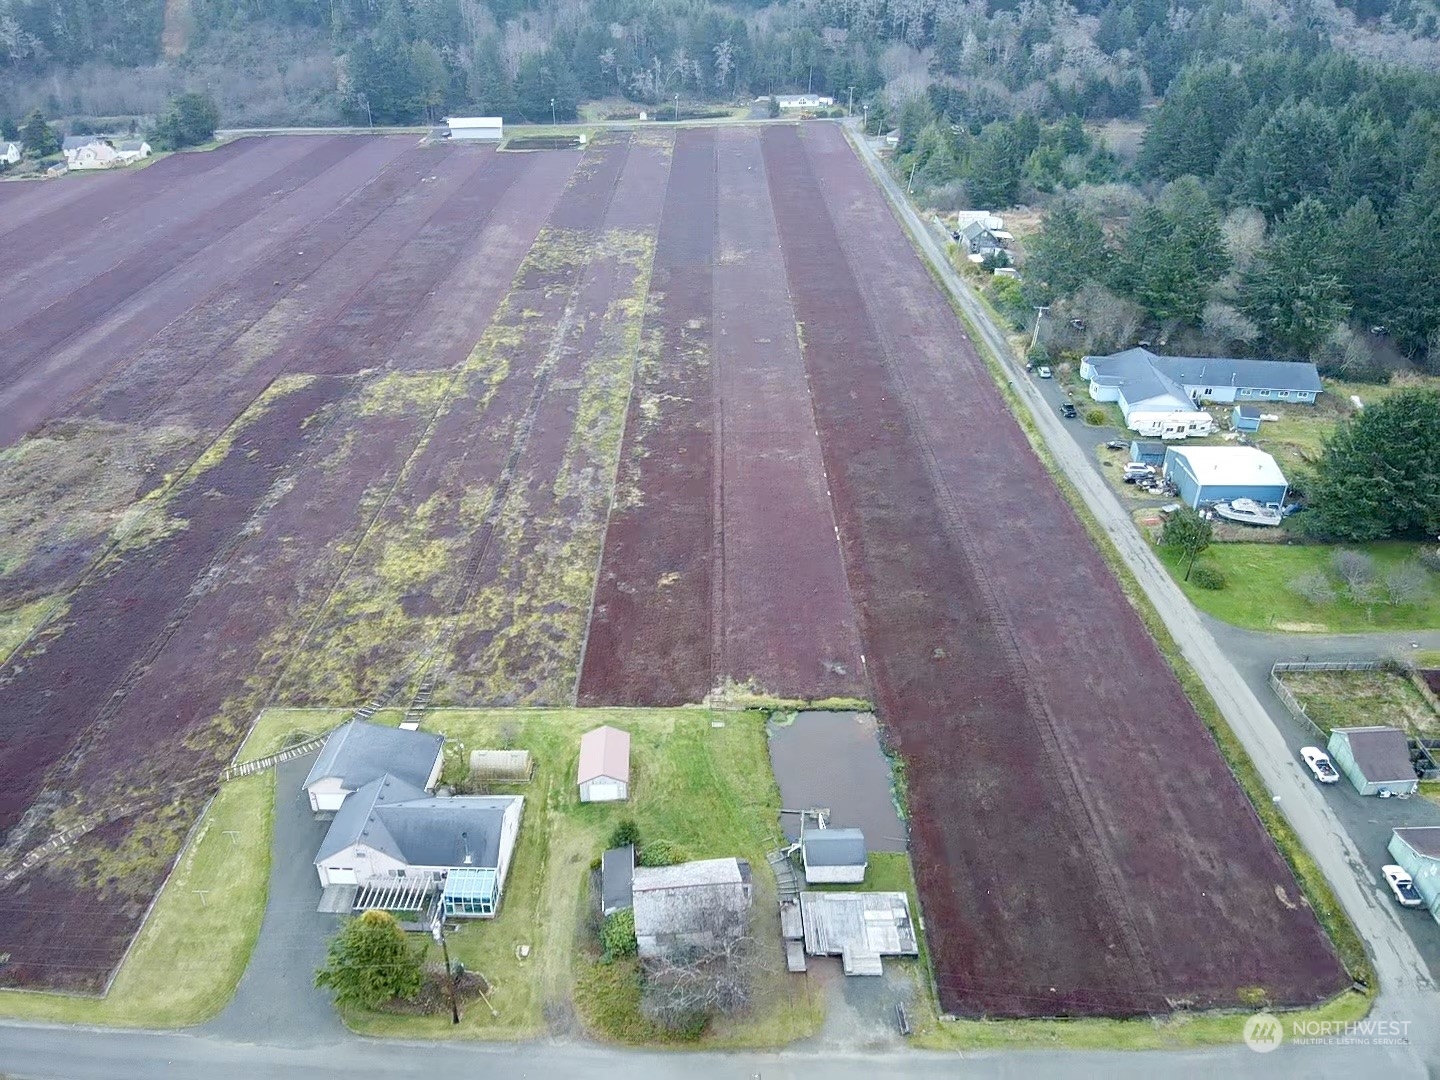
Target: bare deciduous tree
(716,977)
(1357,571)
(1407,583)
(1313,587)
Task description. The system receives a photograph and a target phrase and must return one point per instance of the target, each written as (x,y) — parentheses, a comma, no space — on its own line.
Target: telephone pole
(1035,337)
(439,933)
(552,111)
(850,107)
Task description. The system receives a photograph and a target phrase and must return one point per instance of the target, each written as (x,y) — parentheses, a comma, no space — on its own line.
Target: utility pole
(1035,337)
(439,933)
(850,108)
(552,111)
(910,185)
(677,108)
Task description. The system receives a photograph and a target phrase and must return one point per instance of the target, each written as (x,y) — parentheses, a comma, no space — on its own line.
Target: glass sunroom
(470,893)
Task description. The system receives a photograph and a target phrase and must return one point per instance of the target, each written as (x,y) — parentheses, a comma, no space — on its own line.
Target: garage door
(327,800)
(604,792)
(341,875)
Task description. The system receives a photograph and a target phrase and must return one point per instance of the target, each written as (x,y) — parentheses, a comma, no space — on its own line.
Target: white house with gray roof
(833,855)
(392,833)
(11,152)
(1161,395)
(358,753)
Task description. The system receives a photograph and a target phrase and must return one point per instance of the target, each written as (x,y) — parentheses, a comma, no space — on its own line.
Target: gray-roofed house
(391,833)
(1417,850)
(604,771)
(617,879)
(1160,395)
(358,753)
(1375,759)
(690,905)
(833,855)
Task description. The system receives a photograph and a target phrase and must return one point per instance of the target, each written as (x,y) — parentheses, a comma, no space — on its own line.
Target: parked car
(1044,372)
(1115,444)
(1068,410)
(1402,885)
(1319,764)
(1138,468)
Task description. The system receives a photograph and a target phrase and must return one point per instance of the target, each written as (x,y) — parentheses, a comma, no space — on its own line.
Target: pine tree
(1290,158)
(370,962)
(1292,292)
(39,137)
(1069,251)
(1173,254)
(1380,473)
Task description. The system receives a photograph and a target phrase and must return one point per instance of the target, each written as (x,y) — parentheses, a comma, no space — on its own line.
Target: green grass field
(1355,698)
(187,961)
(1257,595)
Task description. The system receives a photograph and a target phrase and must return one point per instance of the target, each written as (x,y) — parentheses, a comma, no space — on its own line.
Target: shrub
(625,833)
(659,853)
(1095,417)
(1429,558)
(618,934)
(1208,577)
(1314,588)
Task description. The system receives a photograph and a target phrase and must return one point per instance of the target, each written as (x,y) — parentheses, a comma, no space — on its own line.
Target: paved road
(1407,990)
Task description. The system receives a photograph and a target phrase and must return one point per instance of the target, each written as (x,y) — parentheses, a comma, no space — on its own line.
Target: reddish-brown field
(301,419)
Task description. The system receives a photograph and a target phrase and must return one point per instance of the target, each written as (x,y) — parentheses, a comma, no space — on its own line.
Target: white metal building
(604,772)
(1207,474)
(475,128)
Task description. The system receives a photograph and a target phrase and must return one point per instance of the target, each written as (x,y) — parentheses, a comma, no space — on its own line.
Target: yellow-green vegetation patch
(18,622)
(188,959)
(77,484)
(706,790)
(405,392)
(1356,698)
(1258,594)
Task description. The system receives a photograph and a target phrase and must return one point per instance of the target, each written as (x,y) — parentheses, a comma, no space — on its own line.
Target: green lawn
(1257,594)
(1355,698)
(190,956)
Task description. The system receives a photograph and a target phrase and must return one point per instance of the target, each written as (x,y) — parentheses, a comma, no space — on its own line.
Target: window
(1284,393)
(1244,391)
(1264,393)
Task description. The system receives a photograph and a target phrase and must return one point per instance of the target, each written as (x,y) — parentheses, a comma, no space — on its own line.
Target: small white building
(475,128)
(358,753)
(833,856)
(132,150)
(11,153)
(604,772)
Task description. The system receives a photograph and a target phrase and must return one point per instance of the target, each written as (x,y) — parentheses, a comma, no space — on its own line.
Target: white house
(691,905)
(391,833)
(358,753)
(1161,395)
(833,855)
(132,150)
(604,772)
(11,153)
(475,128)
(89,152)
(798,102)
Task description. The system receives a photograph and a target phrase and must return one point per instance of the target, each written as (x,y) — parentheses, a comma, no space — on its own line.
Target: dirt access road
(1407,992)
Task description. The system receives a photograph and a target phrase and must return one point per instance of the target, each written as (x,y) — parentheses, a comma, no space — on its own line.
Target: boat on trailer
(1248,512)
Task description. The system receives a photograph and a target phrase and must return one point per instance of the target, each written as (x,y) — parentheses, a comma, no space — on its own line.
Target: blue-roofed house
(358,752)
(391,833)
(1161,395)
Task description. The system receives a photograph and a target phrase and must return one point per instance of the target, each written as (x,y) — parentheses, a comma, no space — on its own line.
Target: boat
(1248,512)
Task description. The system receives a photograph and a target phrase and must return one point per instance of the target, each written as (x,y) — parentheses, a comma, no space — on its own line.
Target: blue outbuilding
(1209,474)
(1245,418)
(1148,453)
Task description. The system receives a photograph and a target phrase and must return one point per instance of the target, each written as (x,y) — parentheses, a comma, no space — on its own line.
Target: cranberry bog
(328,420)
